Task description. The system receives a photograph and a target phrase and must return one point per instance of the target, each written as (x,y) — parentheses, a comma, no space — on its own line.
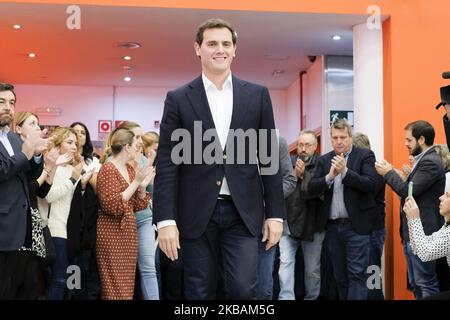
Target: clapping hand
(383,167)
(339,163)
(86,177)
(299,168)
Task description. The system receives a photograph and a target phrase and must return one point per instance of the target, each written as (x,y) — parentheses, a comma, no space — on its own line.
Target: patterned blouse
(432,247)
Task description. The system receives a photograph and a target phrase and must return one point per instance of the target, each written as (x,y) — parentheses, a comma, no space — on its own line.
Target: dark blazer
(305,214)
(14,202)
(359,188)
(82,221)
(188,193)
(428,177)
(447,129)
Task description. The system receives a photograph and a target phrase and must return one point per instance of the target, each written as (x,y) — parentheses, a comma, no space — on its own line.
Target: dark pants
(170,276)
(349,253)
(227,242)
(266,262)
(376,251)
(58,284)
(90,278)
(18,275)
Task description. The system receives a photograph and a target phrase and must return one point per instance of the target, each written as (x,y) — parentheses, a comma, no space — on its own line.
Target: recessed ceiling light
(32,55)
(127,79)
(129,45)
(17,26)
(277,73)
(127,58)
(336,37)
(128,68)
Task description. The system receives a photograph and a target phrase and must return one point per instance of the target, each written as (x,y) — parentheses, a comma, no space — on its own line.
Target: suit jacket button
(224,157)
(218,183)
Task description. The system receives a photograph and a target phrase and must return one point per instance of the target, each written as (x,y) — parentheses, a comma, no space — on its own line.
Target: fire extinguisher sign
(104,126)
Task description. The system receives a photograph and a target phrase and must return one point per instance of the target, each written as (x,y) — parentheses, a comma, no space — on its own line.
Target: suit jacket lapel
(15,143)
(240,103)
(3,150)
(415,167)
(199,101)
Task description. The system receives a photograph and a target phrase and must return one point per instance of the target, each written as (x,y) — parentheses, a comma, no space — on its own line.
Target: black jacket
(82,221)
(305,214)
(359,188)
(428,178)
(187,193)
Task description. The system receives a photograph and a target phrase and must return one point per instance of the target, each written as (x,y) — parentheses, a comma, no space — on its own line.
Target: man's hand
(411,209)
(168,240)
(299,168)
(383,167)
(339,163)
(272,232)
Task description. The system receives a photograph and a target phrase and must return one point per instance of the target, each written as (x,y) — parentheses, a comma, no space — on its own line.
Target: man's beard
(416,151)
(5,119)
(304,157)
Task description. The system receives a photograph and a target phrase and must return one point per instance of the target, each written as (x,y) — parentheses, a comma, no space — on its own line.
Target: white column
(368,85)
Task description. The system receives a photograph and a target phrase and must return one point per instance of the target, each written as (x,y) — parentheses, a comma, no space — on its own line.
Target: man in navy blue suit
(347,178)
(216,210)
(15,222)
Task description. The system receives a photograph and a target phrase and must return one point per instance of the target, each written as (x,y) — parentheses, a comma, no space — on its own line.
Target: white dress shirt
(221,106)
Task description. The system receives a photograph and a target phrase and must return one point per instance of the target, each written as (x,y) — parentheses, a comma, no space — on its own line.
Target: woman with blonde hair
(59,200)
(144,220)
(24,124)
(121,192)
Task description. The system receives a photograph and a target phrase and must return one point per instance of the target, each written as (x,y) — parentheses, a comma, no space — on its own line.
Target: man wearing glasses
(304,225)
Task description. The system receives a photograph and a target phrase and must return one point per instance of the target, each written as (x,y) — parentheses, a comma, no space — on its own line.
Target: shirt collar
(208,83)
(420,155)
(4,131)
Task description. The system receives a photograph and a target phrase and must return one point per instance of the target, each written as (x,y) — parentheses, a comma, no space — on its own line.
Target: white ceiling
(90,56)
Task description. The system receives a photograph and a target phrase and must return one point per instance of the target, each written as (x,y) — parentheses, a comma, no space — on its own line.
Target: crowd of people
(138,225)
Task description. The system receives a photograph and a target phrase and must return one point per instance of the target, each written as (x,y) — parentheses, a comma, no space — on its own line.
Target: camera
(312,58)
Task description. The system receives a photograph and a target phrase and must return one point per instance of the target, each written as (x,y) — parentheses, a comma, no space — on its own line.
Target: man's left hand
(272,232)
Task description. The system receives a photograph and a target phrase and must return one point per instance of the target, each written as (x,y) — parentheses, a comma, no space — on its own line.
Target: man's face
(340,140)
(7,103)
(412,144)
(306,146)
(217,51)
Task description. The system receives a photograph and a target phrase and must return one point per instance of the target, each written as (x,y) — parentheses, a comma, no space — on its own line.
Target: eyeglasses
(306,145)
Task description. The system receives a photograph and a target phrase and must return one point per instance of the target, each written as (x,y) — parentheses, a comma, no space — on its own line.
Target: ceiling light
(17,26)
(48,112)
(129,45)
(128,68)
(127,58)
(32,55)
(336,37)
(277,73)
(127,79)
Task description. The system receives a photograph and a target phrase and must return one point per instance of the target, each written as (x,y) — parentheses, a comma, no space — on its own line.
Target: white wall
(313,84)
(293,112)
(143,105)
(278,98)
(84,104)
